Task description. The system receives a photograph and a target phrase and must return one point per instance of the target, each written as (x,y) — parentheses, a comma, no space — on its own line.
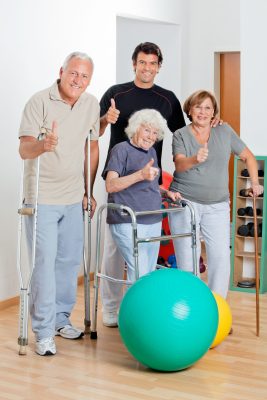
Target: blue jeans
(148,252)
(59,250)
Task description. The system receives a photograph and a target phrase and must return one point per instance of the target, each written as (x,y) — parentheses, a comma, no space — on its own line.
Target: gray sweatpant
(213,221)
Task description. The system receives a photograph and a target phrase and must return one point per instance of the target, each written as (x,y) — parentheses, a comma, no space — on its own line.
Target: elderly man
(65,114)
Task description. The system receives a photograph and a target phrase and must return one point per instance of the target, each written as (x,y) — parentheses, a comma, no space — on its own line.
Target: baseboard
(81,278)
(14,301)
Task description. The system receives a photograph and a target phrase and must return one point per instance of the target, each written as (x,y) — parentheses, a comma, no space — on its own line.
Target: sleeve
(178,146)
(94,131)
(176,120)
(32,118)
(237,145)
(117,161)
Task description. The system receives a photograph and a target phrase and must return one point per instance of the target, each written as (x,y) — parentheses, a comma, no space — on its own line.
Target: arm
(174,196)
(94,159)
(30,147)
(115,183)
(252,166)
(183,163)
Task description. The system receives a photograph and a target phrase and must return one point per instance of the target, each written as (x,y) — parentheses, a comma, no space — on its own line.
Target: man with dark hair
(118,103)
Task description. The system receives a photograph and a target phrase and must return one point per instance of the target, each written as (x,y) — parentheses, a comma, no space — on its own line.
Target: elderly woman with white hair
(132,175)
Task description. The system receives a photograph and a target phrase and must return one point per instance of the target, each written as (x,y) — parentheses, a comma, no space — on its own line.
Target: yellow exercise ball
(225,320)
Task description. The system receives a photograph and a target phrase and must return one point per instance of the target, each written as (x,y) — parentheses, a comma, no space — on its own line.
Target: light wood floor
(104,370)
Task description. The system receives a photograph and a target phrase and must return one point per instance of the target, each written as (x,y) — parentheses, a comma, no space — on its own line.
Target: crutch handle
(26,211)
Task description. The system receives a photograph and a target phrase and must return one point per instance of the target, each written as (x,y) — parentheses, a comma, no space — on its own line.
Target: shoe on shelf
(46,347)
(69,332)
(110,319)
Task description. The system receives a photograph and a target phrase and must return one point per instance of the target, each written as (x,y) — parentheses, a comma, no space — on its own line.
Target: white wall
(210,26)
(254,75)
(35,38)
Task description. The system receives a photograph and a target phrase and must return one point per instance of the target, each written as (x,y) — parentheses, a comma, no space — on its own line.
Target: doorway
(131,32)
(229,89)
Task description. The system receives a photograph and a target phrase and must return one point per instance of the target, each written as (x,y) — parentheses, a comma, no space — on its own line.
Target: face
(145,137)
(74,79)
(146,68)
(202,113)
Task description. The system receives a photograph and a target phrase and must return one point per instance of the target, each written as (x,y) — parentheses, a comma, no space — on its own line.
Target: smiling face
(202,113)
(74,79)
(146,67)
(145,137)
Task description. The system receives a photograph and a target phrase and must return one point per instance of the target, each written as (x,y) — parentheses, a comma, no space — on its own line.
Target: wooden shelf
(248,254)
(247,216)
(242,247)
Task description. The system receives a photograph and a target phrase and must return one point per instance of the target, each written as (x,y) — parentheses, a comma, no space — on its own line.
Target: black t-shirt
(130,98)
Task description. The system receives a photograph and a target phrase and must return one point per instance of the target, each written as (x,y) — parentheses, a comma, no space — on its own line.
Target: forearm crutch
(25,282)
(257,272)
(87,243)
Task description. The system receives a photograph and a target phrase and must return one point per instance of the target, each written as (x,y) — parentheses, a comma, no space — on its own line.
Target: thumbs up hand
(51,139)
(149,172)
(203,153)
(113,113)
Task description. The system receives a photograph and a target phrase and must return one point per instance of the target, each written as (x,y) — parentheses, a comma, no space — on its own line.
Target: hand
(112,114)
(174,196)
(256,190)
(203,153)
(149,173)
(51,139)
(92,206)
(216,121)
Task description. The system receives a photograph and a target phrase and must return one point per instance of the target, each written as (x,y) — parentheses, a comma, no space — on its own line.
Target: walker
(173,208)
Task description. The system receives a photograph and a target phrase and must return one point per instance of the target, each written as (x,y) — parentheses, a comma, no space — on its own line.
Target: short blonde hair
(197,98)
(147,117)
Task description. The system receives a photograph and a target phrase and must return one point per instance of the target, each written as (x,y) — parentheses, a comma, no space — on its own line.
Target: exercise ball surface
(225,320)
(168,319)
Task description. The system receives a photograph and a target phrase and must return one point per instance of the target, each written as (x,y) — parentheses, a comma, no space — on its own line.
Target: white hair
(147,117)
(77,54)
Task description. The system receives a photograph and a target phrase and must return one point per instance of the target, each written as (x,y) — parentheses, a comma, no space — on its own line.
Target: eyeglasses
(206,109)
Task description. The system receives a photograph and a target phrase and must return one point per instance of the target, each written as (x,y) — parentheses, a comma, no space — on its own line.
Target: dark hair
(147,48)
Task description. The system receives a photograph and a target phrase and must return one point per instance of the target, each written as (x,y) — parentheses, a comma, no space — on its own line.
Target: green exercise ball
(168,319)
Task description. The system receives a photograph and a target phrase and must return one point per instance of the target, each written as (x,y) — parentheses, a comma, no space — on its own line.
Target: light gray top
(62,171)
(207,182)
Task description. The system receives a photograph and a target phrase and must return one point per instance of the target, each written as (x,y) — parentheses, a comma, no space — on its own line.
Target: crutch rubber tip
(22,351)
(93,335)
(87,330)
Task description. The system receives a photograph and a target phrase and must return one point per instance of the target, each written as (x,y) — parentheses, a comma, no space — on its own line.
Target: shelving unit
(242,253)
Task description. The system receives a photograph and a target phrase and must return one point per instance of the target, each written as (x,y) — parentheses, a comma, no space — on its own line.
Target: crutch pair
(177,207)
(25,274)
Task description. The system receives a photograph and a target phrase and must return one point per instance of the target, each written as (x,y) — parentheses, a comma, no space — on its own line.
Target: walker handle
(181,203)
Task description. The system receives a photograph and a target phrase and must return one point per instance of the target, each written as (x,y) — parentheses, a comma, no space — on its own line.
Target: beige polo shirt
(61,178)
